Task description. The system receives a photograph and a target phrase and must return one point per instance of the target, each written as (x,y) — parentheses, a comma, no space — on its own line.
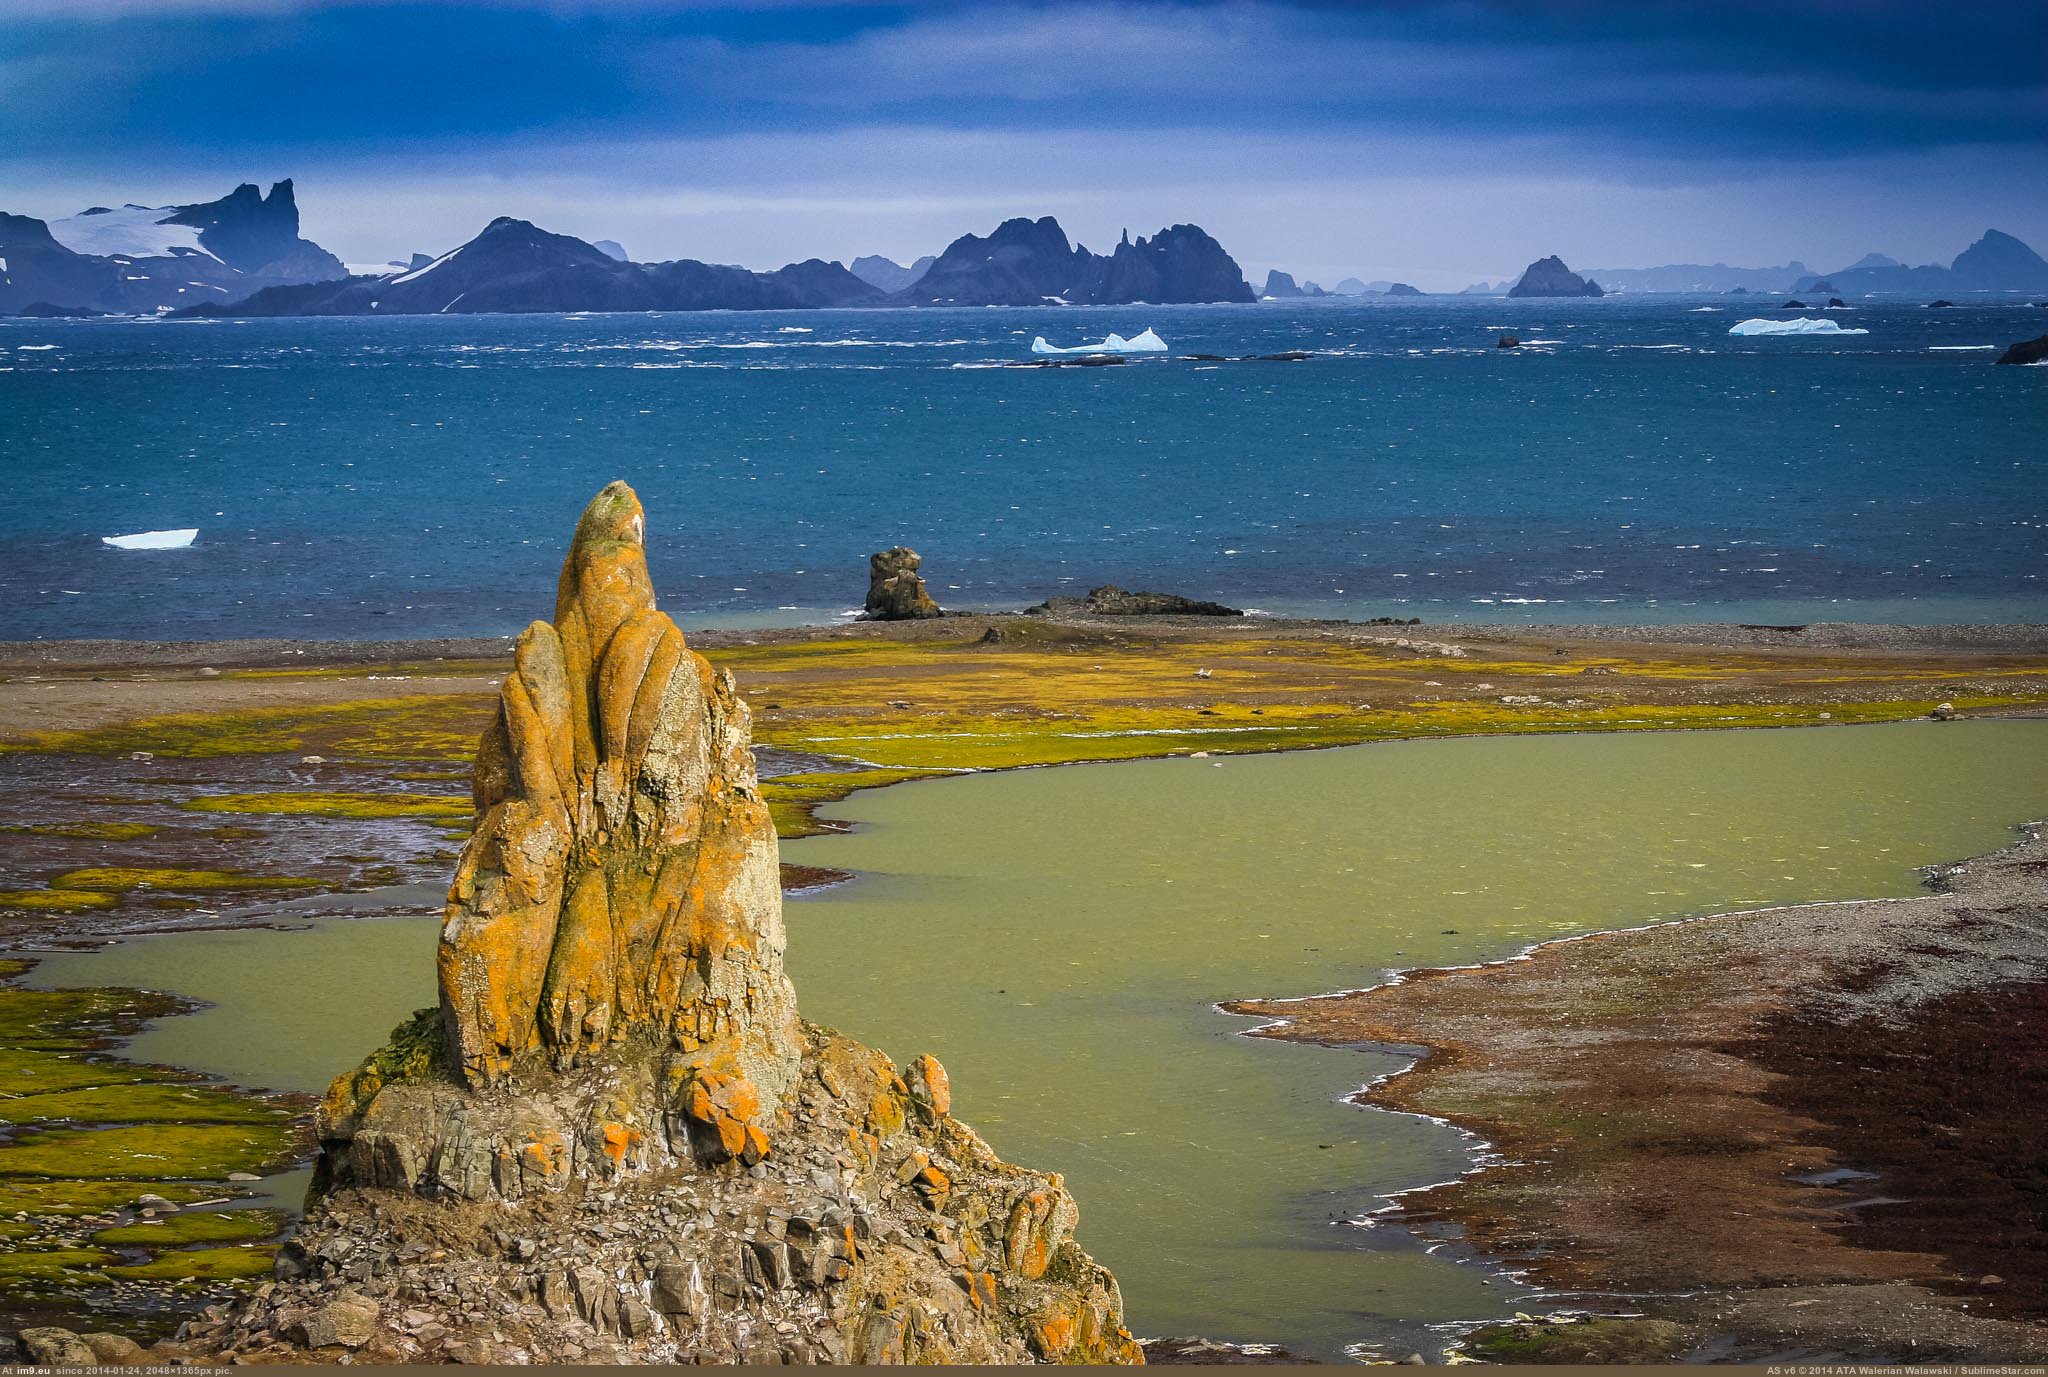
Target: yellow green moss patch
(28,1195)
(151,1152)
(86,831)
(440,807)
(135,1102)
(121,880)
(1574,1340)
(194,1226)
(38,1073)
(51,1266)
(55,900)
(427,727)
(791,798)
(201,1264)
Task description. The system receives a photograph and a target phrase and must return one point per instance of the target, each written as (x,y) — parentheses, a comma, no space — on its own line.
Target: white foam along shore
(1146,343)
(153,540)
(1799,325)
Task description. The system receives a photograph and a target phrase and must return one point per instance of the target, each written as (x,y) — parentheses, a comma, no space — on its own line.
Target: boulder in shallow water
(895,591)
(1112,601)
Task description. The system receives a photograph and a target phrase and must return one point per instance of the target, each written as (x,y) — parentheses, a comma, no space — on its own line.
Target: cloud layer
(1431,141)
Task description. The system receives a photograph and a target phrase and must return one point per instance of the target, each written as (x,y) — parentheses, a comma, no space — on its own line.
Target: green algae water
(1058,938)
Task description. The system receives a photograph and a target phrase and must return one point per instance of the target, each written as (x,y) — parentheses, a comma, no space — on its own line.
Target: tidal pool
(1058,938)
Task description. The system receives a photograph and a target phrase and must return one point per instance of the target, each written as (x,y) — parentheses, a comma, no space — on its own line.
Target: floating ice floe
(1147,343)
(1799,325)
(153,540)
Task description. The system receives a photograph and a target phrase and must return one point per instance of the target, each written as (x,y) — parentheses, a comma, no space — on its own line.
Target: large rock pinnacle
(615,1140)
(622,881)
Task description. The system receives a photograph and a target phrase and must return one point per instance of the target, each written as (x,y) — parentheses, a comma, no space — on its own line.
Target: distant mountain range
(1697,277)
(1997,262)
(1282,287)
(150,258)
(514,266)
(243,255)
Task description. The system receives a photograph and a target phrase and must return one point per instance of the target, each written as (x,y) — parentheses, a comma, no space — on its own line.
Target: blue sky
(1438,143)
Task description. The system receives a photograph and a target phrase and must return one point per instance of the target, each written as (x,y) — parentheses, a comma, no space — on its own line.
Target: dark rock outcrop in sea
(895,591)
(1031,263)
(515,266)
(616,1140)
(1550,277)
(160,258)
(1112,601)
(2027,351)
(1282,287)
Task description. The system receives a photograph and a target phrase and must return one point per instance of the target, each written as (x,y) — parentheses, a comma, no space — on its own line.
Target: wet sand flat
(1809,1132)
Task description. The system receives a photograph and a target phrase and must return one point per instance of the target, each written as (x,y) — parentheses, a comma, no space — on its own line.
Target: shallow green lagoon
(1058,937)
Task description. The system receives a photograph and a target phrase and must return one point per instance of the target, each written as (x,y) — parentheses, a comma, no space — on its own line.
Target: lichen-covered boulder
(895,591)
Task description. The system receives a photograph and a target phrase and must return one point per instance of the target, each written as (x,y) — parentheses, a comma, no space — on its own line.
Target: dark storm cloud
(949,110)
(1686,81)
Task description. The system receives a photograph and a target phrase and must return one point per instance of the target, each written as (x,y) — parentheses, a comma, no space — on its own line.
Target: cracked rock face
(616,1141)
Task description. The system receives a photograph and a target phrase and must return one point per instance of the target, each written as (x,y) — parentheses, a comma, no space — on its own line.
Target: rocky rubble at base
(879,1229)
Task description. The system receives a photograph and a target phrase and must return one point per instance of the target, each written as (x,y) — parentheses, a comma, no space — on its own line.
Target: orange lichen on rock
(622,877)
(618,1141)
(724,1113)
(1052,1335)
(929,1087)
(1027,1241)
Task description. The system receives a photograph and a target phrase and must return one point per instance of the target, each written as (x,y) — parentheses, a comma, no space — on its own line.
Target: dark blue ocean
(419,477)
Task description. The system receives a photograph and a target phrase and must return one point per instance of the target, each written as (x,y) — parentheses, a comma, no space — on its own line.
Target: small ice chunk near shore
(1801,325)
(153,540)
(1146,343)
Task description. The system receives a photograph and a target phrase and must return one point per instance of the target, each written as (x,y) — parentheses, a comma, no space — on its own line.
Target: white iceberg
(153,540)
(1147,343)
(1798,325)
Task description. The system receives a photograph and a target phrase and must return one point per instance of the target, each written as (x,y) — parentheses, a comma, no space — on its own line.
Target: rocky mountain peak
(1550,277)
